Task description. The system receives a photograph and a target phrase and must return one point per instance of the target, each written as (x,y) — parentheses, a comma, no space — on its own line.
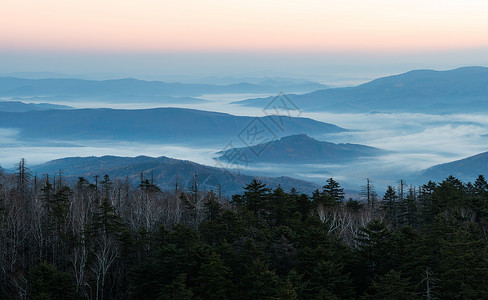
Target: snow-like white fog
(35,154)
(416,141)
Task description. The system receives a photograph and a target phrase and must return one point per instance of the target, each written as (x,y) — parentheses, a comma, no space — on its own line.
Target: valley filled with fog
(414,141)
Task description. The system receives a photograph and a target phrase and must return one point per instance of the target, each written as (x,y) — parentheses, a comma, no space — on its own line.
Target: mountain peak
(297,137)
(466,169)
(459,90)
(301,148)
(165,171)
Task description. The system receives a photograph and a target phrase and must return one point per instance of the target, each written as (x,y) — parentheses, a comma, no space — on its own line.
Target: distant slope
(466,169)
(301,149)
(460,90)
(166,171)
(160,125)
(129,89)
(283,83)
(19,106)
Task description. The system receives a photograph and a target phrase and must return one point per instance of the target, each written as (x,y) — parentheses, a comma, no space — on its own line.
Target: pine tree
(463,264)
(214,279)
(23,177)
(478,200)
(369,193)
(391,286)
(177,289)
(46,282)
(390,205)
(408,209)
(213,208)
(375,252)
(255,196)
(334,190)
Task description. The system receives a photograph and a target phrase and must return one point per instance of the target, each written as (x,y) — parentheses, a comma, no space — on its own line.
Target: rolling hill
(161,125)
(19,106)
(130,90)
(427,91)
(166,171)
(300,149)
(466,169)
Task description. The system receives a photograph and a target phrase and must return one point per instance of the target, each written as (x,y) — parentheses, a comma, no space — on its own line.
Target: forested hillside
(421,91)
(301,148)
(106,239)
(130,89)
(163,125)
(164,172)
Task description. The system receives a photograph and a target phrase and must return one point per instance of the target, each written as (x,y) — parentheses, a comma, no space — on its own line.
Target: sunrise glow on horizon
(200,26)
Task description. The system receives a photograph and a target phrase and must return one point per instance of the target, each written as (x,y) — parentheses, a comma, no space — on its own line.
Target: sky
(315,39)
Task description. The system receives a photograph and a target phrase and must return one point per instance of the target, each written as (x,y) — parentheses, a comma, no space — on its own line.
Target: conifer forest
(102,238)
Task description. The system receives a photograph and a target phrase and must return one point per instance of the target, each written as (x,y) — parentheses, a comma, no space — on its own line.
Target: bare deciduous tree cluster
(84,229)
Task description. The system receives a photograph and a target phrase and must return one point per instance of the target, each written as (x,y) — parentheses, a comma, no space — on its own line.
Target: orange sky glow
(247,25)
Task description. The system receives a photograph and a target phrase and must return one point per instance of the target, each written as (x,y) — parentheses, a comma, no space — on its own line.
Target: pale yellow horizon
(236,25)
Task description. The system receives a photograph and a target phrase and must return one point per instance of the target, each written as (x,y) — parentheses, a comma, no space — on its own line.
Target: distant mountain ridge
(129,89)
(466,169)
(300,149)
(165,171)
(19,106)
(160,125)
(459,90)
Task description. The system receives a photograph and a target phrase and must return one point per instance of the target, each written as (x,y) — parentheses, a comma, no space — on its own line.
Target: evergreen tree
(391,286)
(463,264)
(408,209)
(280,207)
(368,192)
(46,282)
(23,177)
(212,207)
(255,196)
(177,289)
(214,279)
(426,202)
(321,261)
(478,199)
(333,189)
(389,205)
(260,283)
(375,252)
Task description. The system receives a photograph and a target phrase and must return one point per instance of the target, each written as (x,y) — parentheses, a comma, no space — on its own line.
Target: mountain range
(426,91)
(19,106)
(298,149)
(165,172)
(466,169)
(161,125)
(131,90)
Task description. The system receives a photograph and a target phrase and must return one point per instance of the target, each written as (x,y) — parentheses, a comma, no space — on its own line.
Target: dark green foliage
(255,197)
(260,282)
(391,286)
(463,265)
(478,199)
(333,189)
(46,282)
(214,279)
(374,254)
(106,220)
(408,209)
(321,261)
(177,289)
(354,205)
(390,205)
(429,242)
(332,194)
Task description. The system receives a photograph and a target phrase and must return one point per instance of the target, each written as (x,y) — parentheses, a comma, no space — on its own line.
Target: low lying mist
(416,141)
